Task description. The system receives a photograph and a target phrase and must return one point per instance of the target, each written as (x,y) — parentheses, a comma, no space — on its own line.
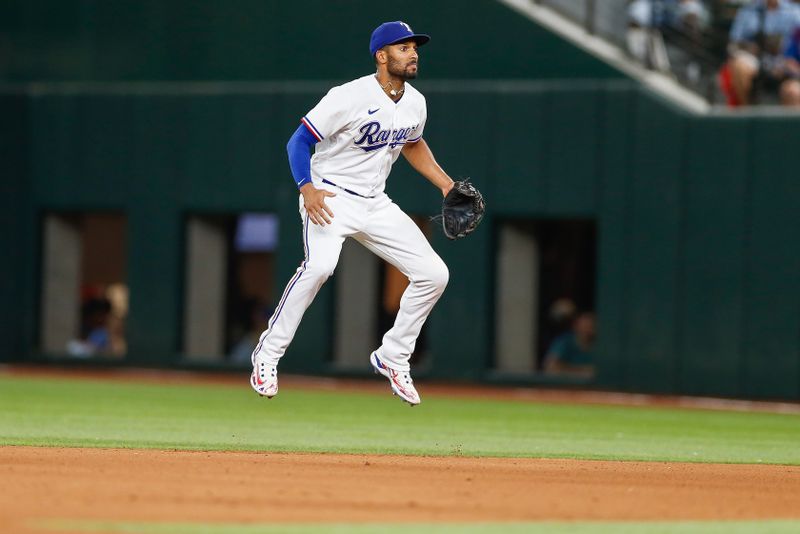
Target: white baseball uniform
(360,133)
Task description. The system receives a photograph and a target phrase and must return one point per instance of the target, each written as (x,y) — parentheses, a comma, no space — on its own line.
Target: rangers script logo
(373,137)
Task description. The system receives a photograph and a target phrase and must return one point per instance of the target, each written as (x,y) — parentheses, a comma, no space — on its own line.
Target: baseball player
(359,129)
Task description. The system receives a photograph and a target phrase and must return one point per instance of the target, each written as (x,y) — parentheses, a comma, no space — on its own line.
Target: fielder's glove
(462,210)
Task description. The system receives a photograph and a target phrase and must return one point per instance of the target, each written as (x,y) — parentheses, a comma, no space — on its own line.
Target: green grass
(579,527)
(43,411)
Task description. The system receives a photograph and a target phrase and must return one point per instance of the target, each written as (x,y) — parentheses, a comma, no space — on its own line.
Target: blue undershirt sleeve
(299,149)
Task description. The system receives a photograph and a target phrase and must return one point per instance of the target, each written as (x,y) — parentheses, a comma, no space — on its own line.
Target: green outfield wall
(142,40)
(697,282)
(15,236)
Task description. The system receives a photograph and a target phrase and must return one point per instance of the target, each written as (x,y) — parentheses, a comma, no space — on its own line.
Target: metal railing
(597,17)
(694,57)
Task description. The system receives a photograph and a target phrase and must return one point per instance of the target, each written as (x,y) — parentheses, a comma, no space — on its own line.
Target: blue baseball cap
(392,33)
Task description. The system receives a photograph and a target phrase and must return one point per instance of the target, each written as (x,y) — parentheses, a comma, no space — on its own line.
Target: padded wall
(697,272)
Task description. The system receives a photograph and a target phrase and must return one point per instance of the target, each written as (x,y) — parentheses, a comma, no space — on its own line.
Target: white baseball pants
(381,226)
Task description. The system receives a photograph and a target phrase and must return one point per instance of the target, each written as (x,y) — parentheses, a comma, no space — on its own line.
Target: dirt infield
(146,485)
(231,487)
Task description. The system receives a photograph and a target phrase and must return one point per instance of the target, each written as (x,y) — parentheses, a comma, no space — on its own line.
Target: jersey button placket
(387,155)
(384,152)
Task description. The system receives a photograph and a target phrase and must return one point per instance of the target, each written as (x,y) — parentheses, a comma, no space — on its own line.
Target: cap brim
(419,38)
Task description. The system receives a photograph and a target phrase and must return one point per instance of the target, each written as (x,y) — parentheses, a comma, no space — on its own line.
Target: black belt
(324,181)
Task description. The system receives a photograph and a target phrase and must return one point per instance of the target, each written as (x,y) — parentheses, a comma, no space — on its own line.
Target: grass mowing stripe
(578,527)
(43,411)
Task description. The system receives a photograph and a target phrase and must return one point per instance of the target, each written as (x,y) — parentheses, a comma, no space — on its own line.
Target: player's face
(402,60)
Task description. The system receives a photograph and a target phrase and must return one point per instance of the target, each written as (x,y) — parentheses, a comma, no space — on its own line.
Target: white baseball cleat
(401,382)
(264,379)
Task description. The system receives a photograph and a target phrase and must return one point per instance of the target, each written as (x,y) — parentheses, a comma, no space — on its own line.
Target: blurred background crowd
(737,52)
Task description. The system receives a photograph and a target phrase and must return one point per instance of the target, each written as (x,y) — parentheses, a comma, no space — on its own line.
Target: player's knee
(320,269)
(439,275)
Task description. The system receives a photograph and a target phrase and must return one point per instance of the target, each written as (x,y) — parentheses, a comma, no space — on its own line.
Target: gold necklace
(393,92)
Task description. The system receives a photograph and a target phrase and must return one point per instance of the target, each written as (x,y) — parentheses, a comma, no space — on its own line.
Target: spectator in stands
(572,352)
(790,71)
(689,16)
(95,337)
(561,314)
(688,20)
(758,36)
(644,39)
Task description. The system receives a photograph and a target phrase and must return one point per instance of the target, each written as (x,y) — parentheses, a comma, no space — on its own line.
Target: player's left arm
(420,157)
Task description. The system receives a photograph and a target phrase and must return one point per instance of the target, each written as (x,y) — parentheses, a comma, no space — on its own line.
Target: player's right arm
(420,157)
(329,116)
(299,149)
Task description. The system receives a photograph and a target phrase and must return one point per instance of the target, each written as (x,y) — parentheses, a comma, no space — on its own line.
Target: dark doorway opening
(546,276)
(230,261)
(84,303)
(567,276)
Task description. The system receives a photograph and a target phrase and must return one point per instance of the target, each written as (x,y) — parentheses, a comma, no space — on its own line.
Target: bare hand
(314,202)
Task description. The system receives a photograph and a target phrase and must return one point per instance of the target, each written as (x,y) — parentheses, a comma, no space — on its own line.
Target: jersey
(360,133)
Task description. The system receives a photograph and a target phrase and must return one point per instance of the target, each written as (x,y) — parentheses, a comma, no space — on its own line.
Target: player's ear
(380,56)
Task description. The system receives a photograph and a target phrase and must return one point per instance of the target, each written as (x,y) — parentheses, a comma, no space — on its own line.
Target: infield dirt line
(152,485)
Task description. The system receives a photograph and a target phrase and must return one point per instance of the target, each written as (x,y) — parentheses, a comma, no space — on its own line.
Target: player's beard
(404,72)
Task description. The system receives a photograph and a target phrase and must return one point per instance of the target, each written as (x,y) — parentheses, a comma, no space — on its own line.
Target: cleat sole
(394,391)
